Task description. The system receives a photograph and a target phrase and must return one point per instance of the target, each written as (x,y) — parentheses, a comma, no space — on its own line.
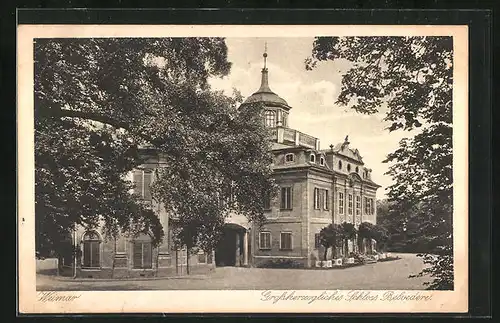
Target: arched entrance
(233,248)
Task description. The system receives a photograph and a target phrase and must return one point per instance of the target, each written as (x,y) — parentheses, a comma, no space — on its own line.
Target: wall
(321,182)
(296,180)
(165,262)
(278,220)
(48,266)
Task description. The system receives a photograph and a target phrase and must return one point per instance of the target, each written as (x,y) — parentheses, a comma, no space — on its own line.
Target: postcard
(242,169)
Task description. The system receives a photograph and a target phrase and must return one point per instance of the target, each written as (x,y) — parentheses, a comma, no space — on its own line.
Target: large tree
(411,79)
(98,100)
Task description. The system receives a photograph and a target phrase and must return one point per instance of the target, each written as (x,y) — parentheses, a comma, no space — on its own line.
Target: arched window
(143,252)
(312,158)
(289,158)
(270,118)
(285,119)
(348,167)
(340,164)
(321,161)
(357,169)
(91,250)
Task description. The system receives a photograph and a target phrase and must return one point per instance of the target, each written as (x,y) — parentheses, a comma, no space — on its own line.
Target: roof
(265,95)
(344,150)
(277,146)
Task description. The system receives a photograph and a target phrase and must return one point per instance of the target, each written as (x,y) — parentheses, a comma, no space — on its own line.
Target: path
(382,276)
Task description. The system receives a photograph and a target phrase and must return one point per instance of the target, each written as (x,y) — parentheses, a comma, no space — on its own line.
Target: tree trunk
(176,260)
(157,261)
(114,259)
(326,252)
(187,259)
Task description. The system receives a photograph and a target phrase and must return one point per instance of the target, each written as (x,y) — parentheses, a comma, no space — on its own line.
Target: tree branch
(65,113)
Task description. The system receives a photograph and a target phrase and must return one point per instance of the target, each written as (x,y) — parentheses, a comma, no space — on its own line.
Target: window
(349,205)
(316,198)
(325,199)
(286,241)
(231,193)
(121,245)
(202,257)
(341,203)
(285,119)
(289,158)
(317,241)
(143,252)
(369,206)
(267,201)
(358,205)
(270,118)
(321,161)
(340,164)
(91,250)
(312,158)
(265,240)
(348,167)
(142,181)
(286,198)
(357,169)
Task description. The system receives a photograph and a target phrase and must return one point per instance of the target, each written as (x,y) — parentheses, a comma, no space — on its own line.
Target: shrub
(358,258)
(281,263)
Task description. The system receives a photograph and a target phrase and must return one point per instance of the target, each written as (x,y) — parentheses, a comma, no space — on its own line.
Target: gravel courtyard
(382,275)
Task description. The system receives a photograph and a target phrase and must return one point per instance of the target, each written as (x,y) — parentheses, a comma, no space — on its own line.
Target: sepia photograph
(313,166)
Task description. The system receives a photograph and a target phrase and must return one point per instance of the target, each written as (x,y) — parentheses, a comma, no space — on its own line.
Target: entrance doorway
(232,249)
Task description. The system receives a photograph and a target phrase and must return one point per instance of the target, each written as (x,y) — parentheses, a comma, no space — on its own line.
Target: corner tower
(276,109)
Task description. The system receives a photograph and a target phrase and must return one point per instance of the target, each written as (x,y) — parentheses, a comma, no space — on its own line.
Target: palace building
(316,187)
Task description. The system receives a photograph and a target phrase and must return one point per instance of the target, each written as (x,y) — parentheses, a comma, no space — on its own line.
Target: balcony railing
(289,134)
(281,135)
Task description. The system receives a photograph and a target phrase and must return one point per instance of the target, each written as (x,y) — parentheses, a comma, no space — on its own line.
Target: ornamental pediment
(353,178)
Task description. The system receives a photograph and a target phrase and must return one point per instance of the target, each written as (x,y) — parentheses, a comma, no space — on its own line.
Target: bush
(358,258)
(281,263)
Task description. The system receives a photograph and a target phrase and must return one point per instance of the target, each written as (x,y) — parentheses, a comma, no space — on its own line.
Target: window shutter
(95,254)
(137,255)
(147,257)
(148,176)
(286,241)
(283,197)
(138,182)
(86,254)
(267,201)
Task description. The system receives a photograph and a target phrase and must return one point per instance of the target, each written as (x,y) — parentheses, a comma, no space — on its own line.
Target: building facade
(317,187)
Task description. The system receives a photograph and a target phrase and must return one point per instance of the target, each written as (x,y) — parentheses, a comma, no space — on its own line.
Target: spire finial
(265,55)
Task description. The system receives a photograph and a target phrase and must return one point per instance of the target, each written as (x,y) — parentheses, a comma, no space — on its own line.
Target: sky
(312,96)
